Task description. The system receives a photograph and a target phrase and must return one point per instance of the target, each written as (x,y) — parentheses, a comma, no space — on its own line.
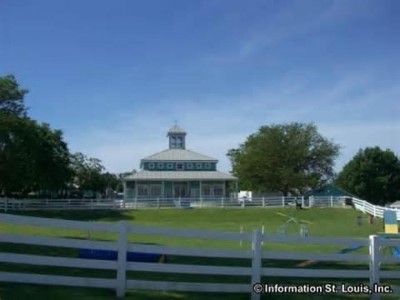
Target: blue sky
(114,75)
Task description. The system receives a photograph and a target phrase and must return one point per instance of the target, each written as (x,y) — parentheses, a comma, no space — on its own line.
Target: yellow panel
(391,228)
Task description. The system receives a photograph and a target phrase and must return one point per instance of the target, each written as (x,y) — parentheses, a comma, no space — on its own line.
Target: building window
(151,165)
(218,190)
(206,190)
(155,190)
(179,166)
(130,184)
(170,166)
(160,165)
(207,166)
(143,190)
(189,166)
(179,142)
(198,166)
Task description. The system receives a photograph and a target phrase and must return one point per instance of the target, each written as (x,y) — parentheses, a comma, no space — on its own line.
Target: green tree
(11,97)
(373,174)
(87,172)
(32,155)
(289,158)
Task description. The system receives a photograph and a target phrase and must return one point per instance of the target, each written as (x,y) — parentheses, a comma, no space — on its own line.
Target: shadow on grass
(80,215)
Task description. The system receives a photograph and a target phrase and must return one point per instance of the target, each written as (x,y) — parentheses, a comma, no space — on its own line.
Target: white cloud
(217,123)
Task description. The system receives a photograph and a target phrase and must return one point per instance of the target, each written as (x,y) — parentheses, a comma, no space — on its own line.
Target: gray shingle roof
(180,175)
(176,129)
(179,154)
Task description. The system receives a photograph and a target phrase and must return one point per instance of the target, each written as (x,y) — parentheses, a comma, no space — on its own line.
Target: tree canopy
(32,155)
(35,157)
(373,175)
(288,158)
(11,97)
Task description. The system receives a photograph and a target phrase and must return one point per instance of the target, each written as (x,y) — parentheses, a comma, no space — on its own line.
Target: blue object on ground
(113,255)
(350,249)
(396,252)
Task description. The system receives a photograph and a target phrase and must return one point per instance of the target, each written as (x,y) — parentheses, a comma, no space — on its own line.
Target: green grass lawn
(326,222)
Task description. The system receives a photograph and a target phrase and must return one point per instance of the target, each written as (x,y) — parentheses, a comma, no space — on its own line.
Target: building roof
(180,175)
(176,129)
(328,190)
(178,154)
(395,204)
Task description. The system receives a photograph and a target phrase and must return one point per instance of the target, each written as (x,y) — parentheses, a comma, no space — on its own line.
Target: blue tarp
(113,255)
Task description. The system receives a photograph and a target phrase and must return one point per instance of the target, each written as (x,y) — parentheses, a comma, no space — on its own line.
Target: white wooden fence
(374,210)
(222,202)
(372,272)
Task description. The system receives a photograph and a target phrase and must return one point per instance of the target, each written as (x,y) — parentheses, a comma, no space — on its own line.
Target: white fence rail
(75,204)
(374,210)
(256,273)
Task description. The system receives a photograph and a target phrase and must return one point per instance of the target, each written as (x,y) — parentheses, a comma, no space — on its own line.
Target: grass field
(328,222)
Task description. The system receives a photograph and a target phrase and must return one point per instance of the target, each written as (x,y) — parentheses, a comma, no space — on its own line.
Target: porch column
(136,189)
(201,194)
(201,190)
(125,190)
(162,189)
(136,192)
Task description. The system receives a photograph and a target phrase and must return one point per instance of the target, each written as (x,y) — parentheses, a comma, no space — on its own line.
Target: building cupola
(176,137)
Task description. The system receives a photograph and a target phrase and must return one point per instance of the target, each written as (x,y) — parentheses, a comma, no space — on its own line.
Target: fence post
(263,201)
(283,201)
(241,232)
(222,202)
(331,201)
(201,201)
(256,263)
(158,202)
(262,234)
(121,264)
(302,201)
(374,266)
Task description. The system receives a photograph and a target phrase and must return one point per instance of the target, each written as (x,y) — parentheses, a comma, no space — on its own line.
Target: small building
(178,173)
(395,204)
(336,195)
(328,191)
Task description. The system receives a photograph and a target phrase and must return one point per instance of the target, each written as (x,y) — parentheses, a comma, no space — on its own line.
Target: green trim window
(199,166)
(151,165)
(206,190)
(160,165)
(189,166)
(207,166)
(155,190)
(218,190)
(170,166)
(143,190)
(179,166)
